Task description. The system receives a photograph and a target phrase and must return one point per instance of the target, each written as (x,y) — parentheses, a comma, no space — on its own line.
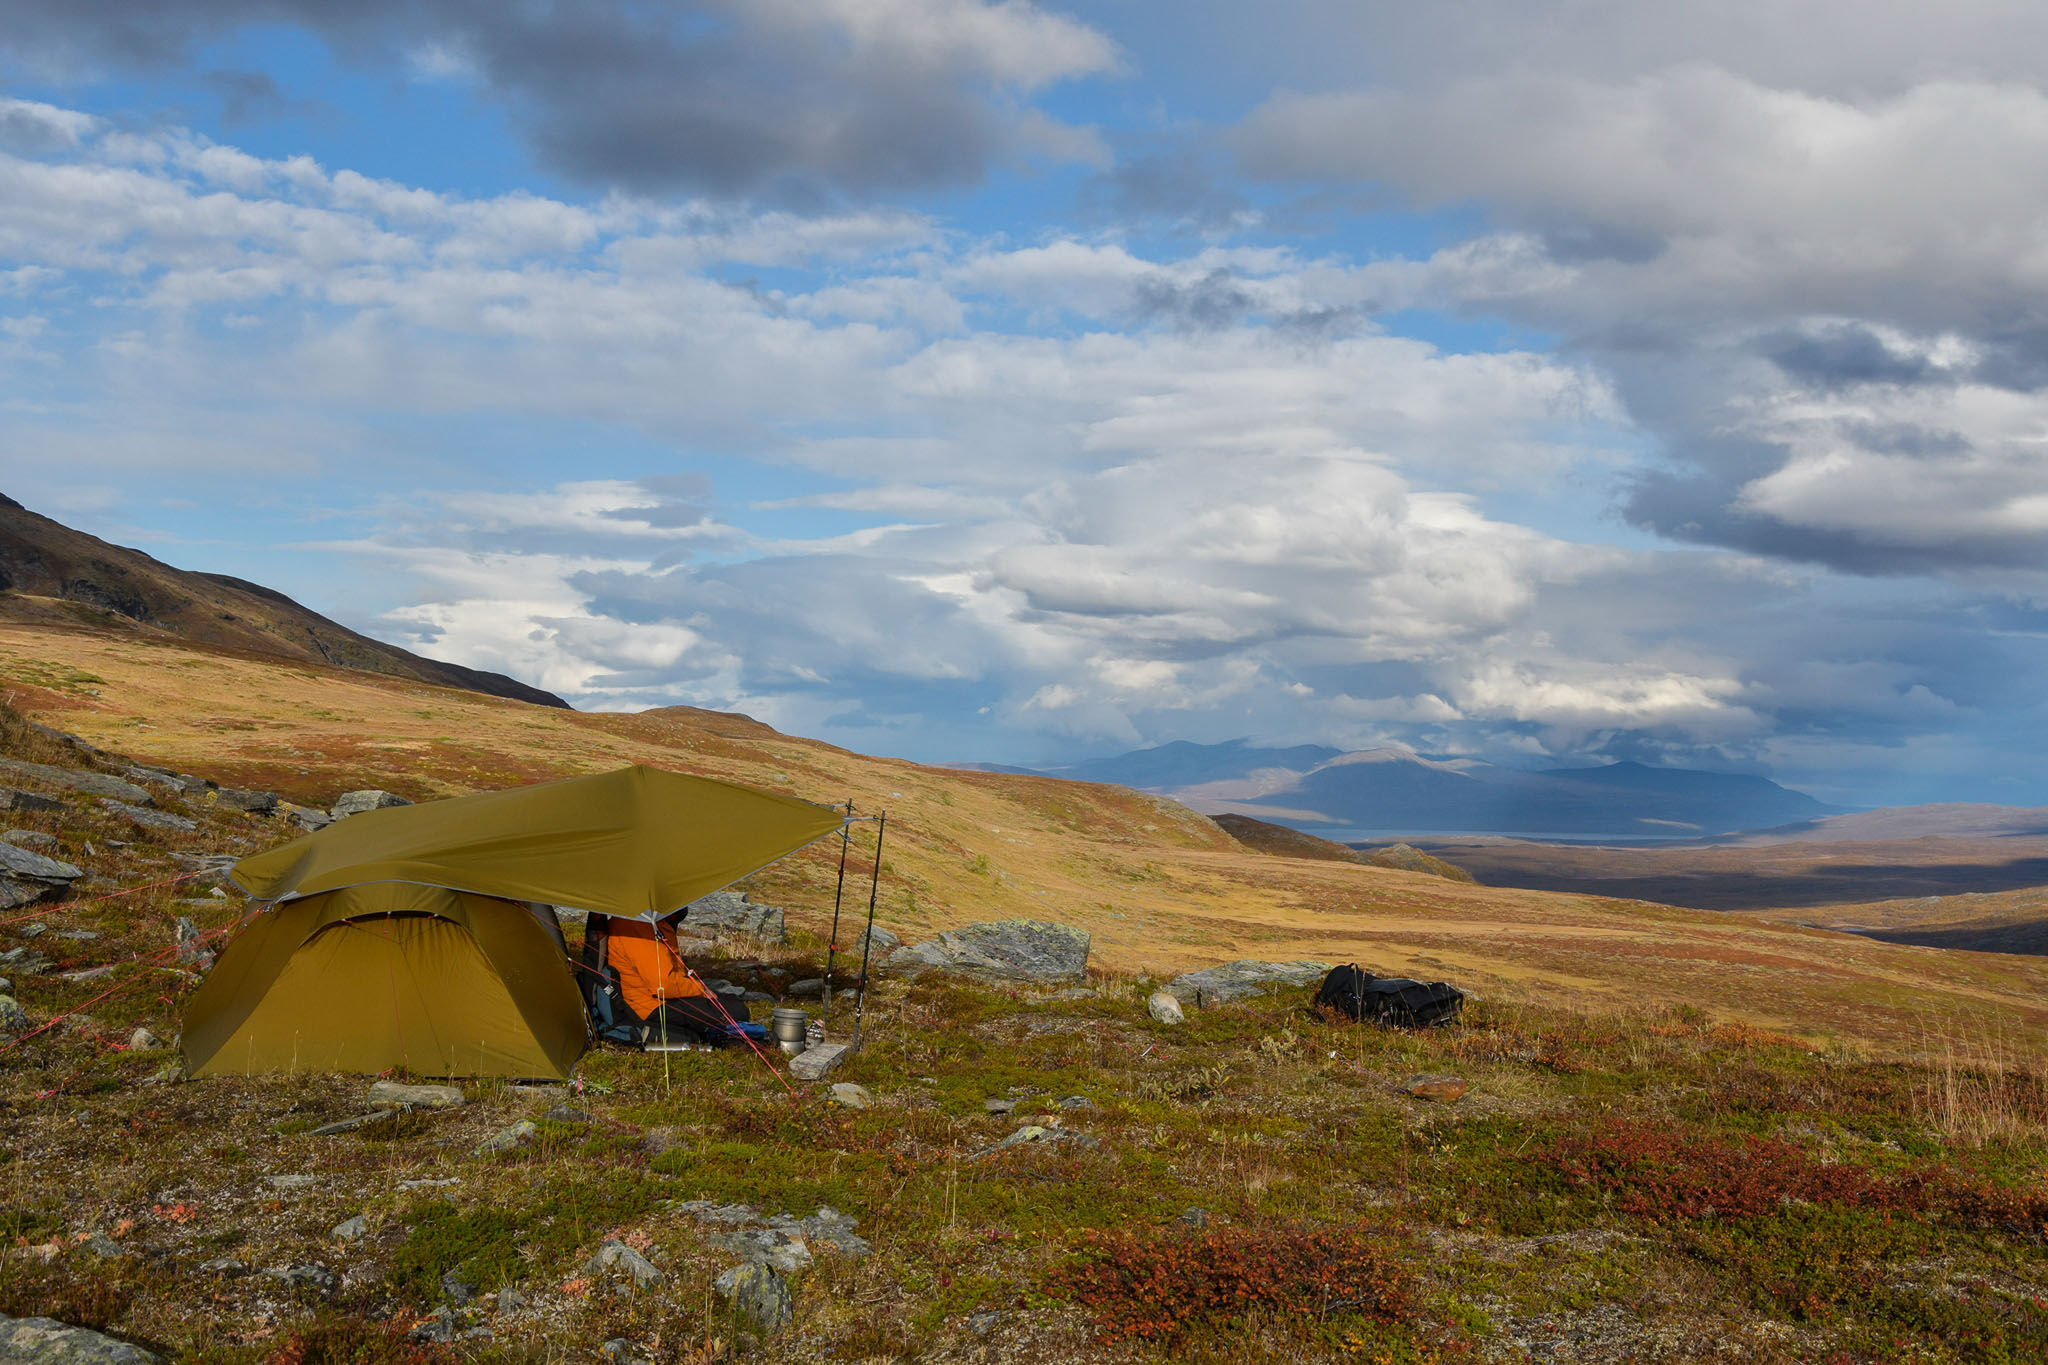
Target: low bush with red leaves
(1150,1288)
(1664,1174)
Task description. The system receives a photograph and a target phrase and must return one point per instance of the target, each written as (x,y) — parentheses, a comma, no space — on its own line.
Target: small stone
(90,974)
(984,1322)
(1195,1217)
(1163,1007)
(392,1095)
(224,1266)
(615,1255)
(759,1293)
(13,1018)
(1078,1102)
(456,1289)
(853,1096)
(105,1247)
(353,1230)
(509,1139)
(292,1182)
(814,1064)
(509,1299)
(36,930)
(46,1339)
(563,1113)
(1443,1089)
(142,1040)
(29,838)
(811,985)
(999,1106)
(307,819)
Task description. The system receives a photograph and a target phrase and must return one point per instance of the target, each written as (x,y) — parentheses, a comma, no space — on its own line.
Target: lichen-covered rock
(74,779)
(14,798)
(619,1256)
(759,1293)
(1165,1008)
(255,803)
(1035,951)
(13,1018)
(816,1063)
(49,1342)
(511,1138)
(392,1095)
(370,798)
(147,818)
(1237,980)
(731,912)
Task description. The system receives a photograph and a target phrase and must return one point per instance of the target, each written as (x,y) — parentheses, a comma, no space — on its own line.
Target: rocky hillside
(51,574)
(1035,1155)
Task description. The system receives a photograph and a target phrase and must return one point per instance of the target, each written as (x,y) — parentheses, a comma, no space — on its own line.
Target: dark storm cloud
(784,100)
(1843,355)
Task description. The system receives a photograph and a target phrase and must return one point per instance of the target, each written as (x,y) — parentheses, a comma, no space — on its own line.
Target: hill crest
(52,574)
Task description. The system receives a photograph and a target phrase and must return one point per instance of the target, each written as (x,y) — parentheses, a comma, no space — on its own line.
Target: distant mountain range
(51,574)
(1395,790)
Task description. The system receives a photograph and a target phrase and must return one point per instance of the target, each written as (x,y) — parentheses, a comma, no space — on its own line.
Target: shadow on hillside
(1761,889)
(2030,940)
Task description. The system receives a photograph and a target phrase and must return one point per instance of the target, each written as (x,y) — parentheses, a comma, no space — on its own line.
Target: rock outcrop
(1038,952)
(27,877)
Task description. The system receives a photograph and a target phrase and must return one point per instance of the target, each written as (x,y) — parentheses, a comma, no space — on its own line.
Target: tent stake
(838,894)
(867,939)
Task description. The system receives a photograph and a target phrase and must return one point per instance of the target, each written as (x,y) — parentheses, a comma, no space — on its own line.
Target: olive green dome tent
(418,936)
(369,978)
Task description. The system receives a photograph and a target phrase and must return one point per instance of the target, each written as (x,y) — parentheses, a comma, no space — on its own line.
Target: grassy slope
(1620,1184)
(1160,887)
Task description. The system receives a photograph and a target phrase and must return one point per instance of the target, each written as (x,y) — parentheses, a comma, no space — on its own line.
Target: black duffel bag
(1390,999)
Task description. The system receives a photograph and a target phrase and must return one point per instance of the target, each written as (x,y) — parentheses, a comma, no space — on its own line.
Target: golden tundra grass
(1160,888)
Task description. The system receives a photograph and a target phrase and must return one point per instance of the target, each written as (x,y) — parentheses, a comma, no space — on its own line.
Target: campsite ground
(1686,1136)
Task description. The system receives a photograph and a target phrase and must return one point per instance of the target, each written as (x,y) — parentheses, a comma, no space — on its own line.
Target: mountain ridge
(53,574)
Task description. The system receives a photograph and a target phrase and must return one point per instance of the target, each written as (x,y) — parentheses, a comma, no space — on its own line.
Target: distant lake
(1459,836)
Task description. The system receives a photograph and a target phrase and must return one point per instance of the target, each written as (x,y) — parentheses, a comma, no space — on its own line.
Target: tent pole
(838,894)
(867,939)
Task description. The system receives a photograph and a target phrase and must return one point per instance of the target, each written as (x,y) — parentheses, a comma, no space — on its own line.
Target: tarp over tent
(637,842)
(368,978)
(421,936)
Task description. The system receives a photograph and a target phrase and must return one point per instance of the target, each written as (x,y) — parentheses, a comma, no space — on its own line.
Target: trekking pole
(867,942)
(838,894)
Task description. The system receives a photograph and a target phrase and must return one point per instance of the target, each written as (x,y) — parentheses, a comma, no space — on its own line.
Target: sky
(1549,383)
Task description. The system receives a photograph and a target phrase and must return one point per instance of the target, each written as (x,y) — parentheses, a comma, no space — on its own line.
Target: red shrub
(1660,1174)
(1152,1287)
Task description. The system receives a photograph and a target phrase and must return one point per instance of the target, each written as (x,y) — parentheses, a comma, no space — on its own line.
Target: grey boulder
(27,877)
(731,912)
(1165,1008)
(370,798)
(1027,950)
(49,1342)
(1242,979)
(255,803)
(759,1293)
(14,798)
